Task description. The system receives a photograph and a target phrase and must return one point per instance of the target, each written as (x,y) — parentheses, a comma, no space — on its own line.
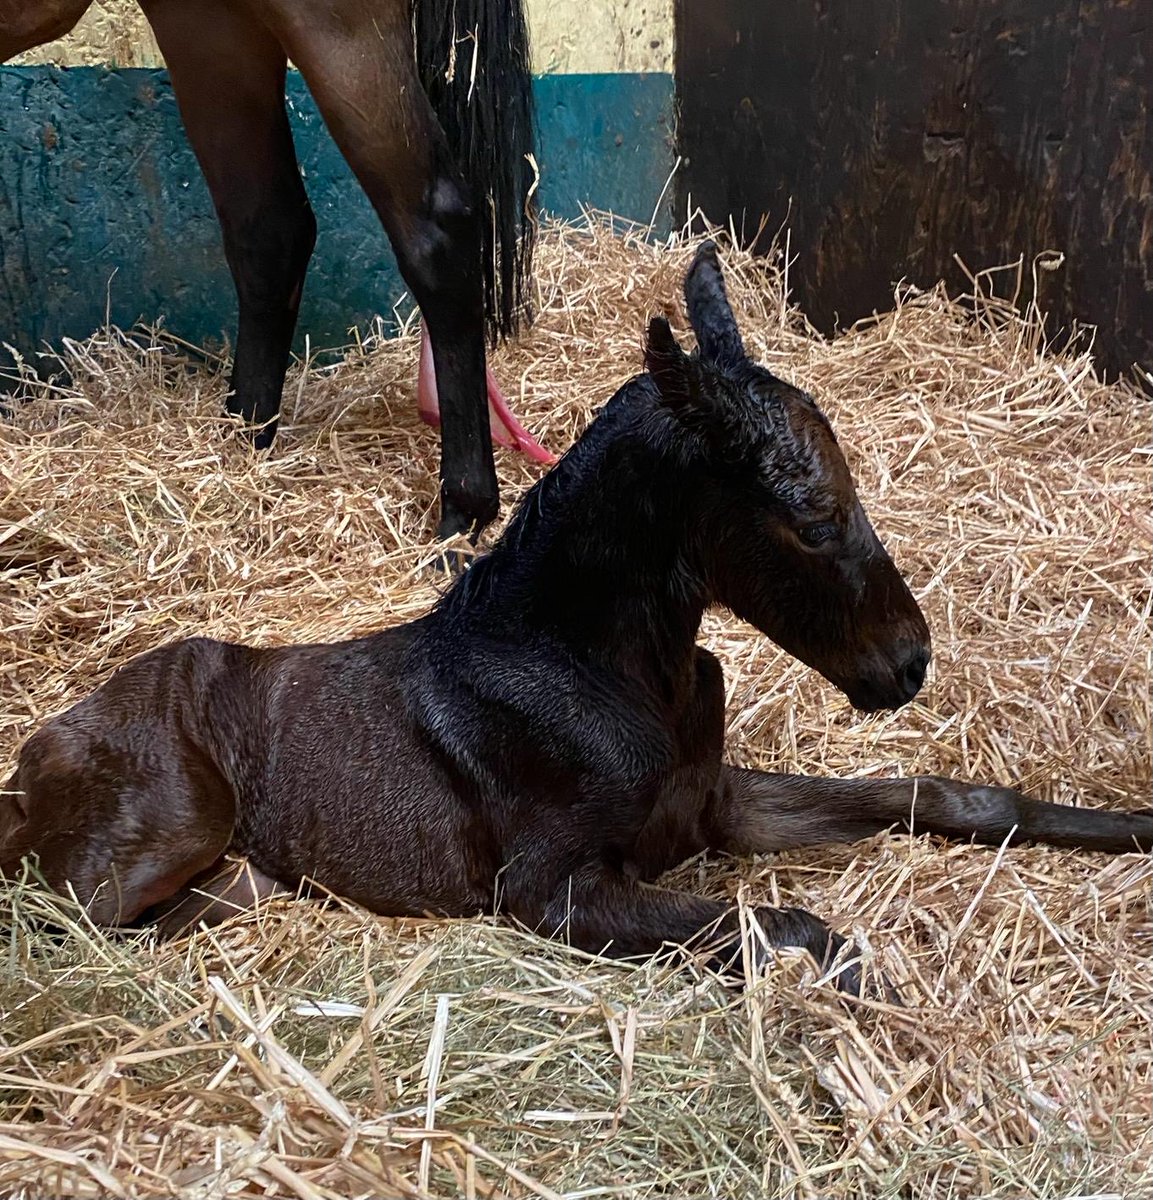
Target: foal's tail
(474,64)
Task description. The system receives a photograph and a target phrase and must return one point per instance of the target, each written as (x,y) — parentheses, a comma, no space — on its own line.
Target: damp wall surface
(104,214)
(900,136)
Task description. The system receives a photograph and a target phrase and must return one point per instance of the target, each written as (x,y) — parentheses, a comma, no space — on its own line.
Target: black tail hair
(473,60)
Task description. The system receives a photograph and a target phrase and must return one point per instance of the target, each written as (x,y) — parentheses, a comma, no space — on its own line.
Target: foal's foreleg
(228,73)
(602,911)
(754,812)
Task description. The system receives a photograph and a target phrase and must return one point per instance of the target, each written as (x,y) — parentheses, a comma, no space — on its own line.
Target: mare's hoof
(261,435)
(262,438)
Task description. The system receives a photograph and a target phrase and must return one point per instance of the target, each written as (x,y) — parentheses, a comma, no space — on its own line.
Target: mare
(430,102)
(548,740)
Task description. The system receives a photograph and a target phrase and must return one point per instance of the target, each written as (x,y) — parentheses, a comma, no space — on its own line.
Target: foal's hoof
(839,960)
(843,964)
(451,562)
(837,957)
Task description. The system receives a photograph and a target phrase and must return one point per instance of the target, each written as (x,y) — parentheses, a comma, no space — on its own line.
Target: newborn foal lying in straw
(548,740)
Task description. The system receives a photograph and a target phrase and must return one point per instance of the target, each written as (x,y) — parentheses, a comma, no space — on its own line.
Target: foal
(548,740)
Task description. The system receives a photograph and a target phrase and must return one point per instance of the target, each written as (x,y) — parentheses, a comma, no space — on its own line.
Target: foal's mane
(634,410)
(636,414)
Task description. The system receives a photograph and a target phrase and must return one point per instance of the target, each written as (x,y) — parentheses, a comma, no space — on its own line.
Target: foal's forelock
(799,460)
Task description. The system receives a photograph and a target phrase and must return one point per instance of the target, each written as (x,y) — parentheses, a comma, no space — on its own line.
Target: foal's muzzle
(892,686)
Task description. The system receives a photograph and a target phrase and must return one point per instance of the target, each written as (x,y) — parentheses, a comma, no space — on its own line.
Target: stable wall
(103,212)
(897,136)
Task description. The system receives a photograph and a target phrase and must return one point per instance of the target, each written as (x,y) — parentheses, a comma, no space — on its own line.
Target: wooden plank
(896,133)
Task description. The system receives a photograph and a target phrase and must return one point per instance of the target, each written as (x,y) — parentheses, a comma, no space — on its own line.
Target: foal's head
(783,540)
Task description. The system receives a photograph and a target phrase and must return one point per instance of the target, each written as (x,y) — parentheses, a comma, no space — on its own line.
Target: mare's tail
(474,64)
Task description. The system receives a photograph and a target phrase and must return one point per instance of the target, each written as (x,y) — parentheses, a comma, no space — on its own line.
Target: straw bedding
(311,1052)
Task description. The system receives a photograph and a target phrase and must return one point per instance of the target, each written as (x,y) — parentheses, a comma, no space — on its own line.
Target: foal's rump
(122,796)
(303,758)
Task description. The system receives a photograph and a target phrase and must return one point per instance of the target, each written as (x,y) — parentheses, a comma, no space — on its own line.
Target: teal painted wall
(104,214)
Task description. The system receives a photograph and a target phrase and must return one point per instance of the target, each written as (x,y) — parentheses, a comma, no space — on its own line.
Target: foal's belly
(373,851)
(397,841)
(351,798)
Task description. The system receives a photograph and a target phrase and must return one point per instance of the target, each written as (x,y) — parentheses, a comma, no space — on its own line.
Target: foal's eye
(816,535)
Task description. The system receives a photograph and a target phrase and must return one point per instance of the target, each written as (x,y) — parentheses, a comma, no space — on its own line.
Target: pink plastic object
(506,429)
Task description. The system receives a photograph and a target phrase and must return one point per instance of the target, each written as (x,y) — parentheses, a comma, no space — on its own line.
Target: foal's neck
(600,555)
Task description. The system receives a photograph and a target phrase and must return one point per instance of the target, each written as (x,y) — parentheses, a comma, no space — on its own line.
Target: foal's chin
(871,698)
(872,693)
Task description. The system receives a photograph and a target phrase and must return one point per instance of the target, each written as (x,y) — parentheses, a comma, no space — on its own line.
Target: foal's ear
(694,394)
(709,312)
(678,377)
(697,395)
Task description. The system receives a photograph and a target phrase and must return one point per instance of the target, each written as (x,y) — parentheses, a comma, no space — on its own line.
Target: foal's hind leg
(123,817)
(120,798)
(754,812)
(225,890)
(358,60)
(228,74)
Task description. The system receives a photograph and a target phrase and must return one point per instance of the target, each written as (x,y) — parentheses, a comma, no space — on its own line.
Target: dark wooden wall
(895,133)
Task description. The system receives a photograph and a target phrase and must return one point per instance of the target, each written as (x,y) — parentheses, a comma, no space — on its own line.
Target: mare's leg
(228,74)
(358,60)
(26,24)
(753,812)
(601,910)
(505,429)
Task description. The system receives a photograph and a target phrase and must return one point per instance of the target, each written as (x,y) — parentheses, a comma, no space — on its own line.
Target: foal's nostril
(914,673)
